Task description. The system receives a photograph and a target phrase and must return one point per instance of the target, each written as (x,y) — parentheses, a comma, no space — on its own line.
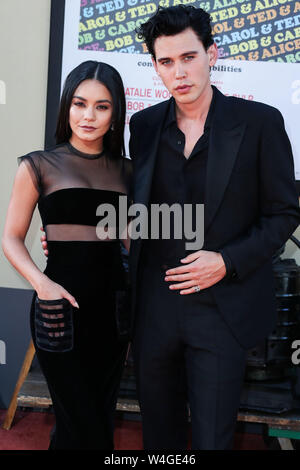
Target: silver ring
(197,289)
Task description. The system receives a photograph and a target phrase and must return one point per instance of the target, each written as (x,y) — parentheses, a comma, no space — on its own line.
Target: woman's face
(90,113)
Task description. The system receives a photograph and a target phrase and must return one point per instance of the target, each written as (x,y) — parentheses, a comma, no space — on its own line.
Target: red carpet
(30,431)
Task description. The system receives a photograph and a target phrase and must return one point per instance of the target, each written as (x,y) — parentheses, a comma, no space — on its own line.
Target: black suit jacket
(251,203)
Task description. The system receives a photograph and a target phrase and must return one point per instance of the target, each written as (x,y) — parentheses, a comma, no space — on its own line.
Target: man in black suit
(197,313)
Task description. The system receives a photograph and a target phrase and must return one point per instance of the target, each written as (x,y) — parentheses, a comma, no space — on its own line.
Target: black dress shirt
(178,180)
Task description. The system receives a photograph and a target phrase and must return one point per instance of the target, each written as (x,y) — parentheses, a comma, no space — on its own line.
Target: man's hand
(44,242)
(202,269)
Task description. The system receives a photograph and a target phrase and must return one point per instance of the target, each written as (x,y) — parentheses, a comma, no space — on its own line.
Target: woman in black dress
(73,313)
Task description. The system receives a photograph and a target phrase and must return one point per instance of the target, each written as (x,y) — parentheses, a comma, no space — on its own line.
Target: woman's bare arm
(19,215)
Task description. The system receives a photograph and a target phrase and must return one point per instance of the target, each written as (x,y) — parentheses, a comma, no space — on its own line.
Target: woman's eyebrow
(98,101)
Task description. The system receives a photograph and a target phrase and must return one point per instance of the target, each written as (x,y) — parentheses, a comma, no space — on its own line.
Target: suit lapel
(225,139)
(145,163)
(144,166)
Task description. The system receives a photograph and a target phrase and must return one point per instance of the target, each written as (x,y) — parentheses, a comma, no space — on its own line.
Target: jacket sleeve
(279,206)
(133,139)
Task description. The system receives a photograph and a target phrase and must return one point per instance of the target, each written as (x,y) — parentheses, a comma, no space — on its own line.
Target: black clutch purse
(53,322)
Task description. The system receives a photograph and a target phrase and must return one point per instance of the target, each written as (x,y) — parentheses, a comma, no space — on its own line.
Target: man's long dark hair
(173,20)
(113,141)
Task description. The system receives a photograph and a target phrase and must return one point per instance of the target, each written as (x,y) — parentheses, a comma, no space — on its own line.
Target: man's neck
(196,111)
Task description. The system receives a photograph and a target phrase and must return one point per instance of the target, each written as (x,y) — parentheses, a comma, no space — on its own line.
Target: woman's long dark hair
(113,140)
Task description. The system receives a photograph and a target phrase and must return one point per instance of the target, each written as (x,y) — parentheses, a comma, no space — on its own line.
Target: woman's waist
(82,232)
(84,265)
(83,253)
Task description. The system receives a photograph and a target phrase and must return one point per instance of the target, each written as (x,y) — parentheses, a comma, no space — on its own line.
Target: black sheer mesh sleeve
(32,162)
(75,188)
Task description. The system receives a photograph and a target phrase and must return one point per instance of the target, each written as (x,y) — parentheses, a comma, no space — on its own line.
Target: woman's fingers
(70,298)
(50,290)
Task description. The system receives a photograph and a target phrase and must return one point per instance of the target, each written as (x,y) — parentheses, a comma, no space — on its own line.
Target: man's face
(183,65)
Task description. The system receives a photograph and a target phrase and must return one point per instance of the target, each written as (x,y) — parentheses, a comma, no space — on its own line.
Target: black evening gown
(84,372)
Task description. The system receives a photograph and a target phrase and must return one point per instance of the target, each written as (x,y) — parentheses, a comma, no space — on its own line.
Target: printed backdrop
(257,30)
(258,41)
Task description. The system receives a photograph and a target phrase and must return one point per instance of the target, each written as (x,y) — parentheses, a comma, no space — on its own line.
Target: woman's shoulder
(40,158)
(126,166)
(46,153)
(127,162)
(124,171)
(121,162)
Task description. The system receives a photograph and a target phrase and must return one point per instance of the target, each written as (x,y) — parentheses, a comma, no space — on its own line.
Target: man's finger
(179,270)
(192,257)
(180,277)
(191,290)
(182,285)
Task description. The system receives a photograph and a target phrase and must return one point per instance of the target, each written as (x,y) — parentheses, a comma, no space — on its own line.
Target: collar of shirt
(171,114)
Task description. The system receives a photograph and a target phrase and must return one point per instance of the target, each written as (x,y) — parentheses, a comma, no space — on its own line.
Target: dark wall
(14,338)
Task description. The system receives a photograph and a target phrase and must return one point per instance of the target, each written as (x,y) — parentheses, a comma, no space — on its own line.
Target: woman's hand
(50,290)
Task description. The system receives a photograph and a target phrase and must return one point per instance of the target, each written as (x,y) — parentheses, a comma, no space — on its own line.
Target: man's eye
(189,57)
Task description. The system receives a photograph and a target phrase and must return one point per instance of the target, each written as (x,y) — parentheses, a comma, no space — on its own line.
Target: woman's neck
(86,146)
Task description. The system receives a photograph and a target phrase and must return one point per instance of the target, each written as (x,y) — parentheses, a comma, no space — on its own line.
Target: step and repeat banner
(258,42)
(247,30)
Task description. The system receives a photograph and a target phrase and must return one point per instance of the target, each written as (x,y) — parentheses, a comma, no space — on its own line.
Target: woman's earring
(112,127)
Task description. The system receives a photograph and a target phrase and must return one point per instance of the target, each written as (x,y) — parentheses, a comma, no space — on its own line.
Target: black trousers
(185,357)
